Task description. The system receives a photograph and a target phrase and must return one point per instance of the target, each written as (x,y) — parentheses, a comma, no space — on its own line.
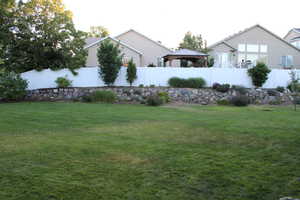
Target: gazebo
(187,55)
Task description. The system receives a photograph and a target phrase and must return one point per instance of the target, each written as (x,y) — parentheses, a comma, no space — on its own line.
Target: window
(242,47)
(296,44)
(263,48)
(252,48)
(287,61)
(263,58)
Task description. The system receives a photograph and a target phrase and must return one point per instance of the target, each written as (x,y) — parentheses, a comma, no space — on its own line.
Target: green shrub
(152,86)
(141,85)
(195,83)
(223,88)
(12,87)
(154,100)
(259,74)
(176,82)
(164,96)
(275,102)
(186,83)
(239,100)
(294,87)
(240,89)
(100,96)
(63,82)
(280,89)
(151,65)
(223,102)
(131,72)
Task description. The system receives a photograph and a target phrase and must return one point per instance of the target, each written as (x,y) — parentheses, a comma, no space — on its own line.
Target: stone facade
(136,94)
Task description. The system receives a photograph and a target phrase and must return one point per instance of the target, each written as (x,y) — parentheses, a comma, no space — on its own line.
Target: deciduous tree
(43,36)
(98,31)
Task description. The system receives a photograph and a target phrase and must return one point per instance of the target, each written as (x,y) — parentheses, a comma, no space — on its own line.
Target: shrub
(110,61)
(195,83)
(223,102)
(294,87)
(215,85)
(131,72)
(223,88)
(186,83)
(272,92)
(296,100)
(164,96)
(259,74)
(100,96)
(240,89)
(152,86)
(63,82)
(239,100)
(154,100)
(280,89)
(151,65)
(12,86)
(176,82)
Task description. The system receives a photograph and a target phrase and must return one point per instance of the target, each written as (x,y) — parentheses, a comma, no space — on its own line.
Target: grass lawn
(67,151)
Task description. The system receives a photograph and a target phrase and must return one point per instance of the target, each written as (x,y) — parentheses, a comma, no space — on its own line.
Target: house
(293,37)
(246,48)
(134,45)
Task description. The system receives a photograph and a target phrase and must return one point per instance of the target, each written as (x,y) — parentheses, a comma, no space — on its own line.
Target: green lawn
(55,151)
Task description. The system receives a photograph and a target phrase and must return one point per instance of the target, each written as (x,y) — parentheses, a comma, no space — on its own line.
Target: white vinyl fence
(158,76)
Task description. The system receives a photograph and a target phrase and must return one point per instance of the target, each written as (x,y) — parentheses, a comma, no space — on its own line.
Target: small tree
(131,72)
(110,61)
(259,74)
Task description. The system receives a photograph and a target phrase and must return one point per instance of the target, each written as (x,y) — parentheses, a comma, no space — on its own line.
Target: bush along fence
(202,96)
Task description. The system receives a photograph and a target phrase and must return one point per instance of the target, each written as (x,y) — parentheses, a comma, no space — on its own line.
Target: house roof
(111,38)
(297,30)
(186,52)
(250,28)
(296,38)
(157,43)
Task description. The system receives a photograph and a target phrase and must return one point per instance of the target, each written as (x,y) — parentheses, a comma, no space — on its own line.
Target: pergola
(186,54)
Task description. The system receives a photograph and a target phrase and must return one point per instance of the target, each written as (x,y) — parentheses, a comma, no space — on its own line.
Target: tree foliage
(110,61)
(98,31)
(259,74)
(193,42)
(131,72)
(42,35)
(12,86)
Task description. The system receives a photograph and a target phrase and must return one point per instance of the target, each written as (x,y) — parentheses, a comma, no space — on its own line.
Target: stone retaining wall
(135,94)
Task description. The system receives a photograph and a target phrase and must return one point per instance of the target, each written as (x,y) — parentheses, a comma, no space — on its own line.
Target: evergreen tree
(110,61)
(131,72)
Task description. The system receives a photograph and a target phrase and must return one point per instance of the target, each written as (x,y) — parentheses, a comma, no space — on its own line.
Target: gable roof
(157,43)
(250,28)
(297,30)
(118,41)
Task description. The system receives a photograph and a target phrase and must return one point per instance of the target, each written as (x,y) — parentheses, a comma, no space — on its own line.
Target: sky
(168,20)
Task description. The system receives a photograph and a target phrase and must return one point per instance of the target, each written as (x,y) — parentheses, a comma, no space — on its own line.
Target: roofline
(250,28)
(114,39)
(145,38)
(222,42)
(293,29)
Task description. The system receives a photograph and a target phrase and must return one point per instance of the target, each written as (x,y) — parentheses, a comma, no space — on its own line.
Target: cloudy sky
(168,20)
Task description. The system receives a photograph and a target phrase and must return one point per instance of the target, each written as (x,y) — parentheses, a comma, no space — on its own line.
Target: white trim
(118,41)
(131,30)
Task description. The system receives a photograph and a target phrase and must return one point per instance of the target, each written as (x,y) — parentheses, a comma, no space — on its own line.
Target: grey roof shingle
(187,52)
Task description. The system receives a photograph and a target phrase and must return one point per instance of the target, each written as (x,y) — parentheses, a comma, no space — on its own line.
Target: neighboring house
(140,48)
(254,44)
(293,37)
